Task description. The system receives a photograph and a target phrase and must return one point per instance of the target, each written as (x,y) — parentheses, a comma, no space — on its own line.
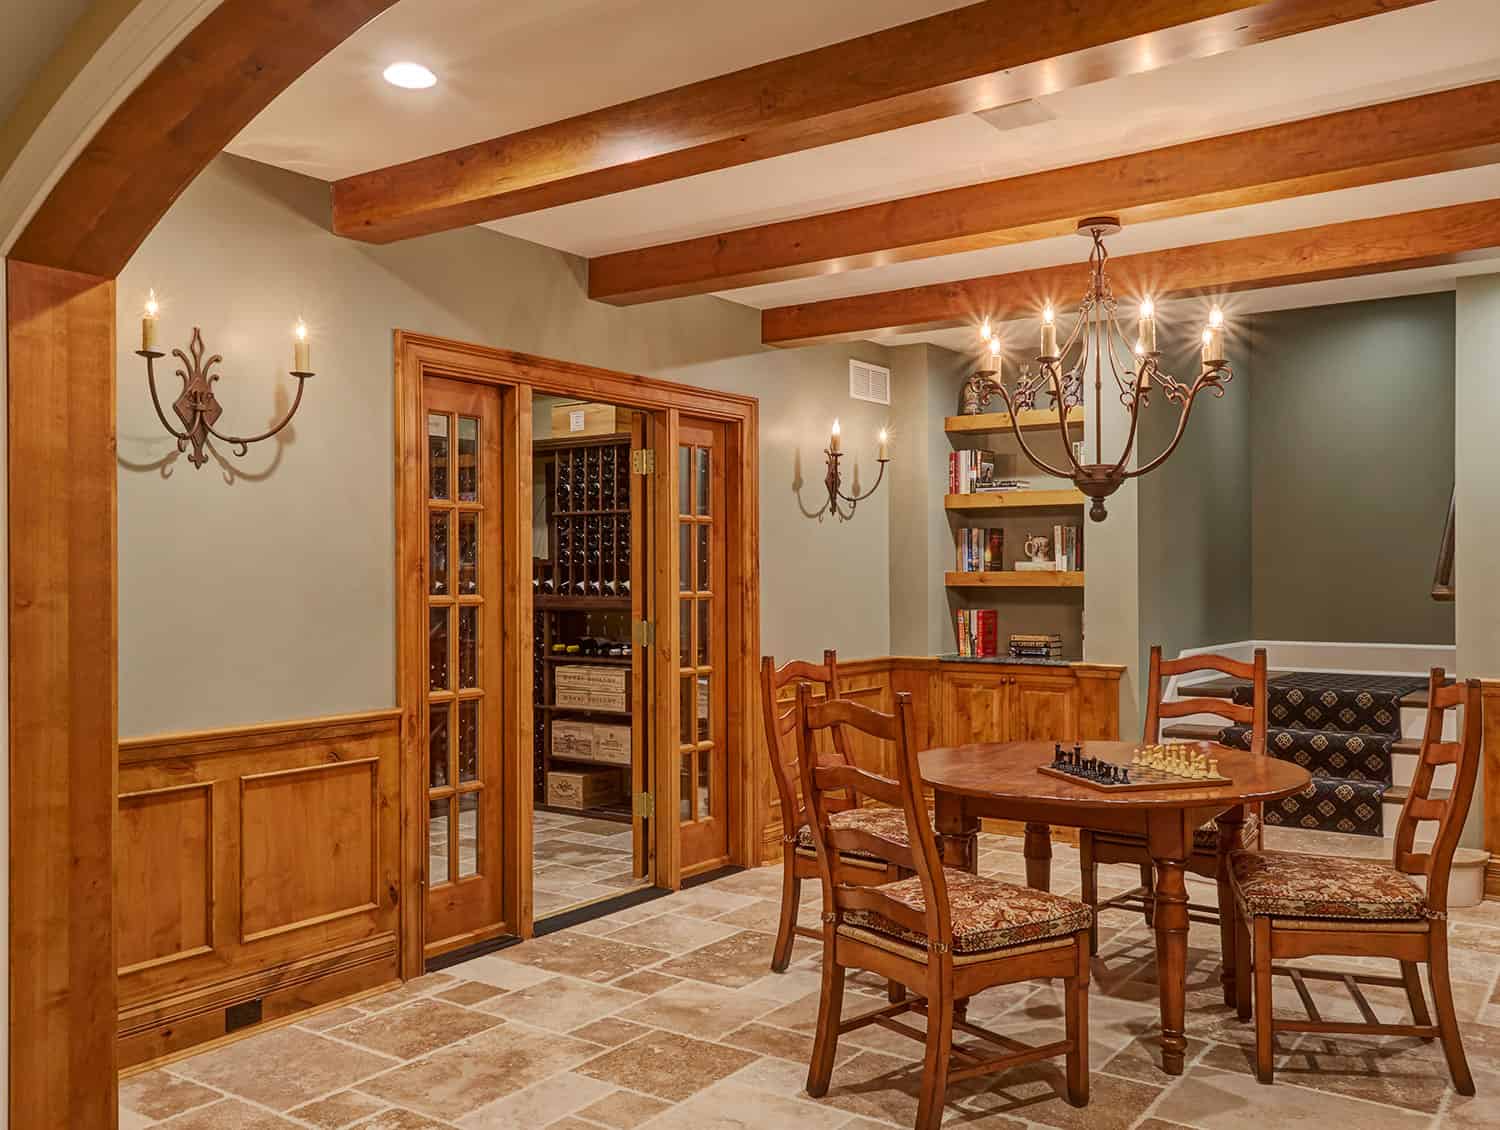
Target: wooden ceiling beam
(972,58)
(212,84)
(1431,133)
(1332,251)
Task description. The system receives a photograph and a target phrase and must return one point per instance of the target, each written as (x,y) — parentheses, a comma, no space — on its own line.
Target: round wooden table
(1000,780)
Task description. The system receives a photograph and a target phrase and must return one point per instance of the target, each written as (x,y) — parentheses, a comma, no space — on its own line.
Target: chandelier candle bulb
(833,436)
(1049,333)
(985,331)
(1148,327)
(148,324)
(301,350)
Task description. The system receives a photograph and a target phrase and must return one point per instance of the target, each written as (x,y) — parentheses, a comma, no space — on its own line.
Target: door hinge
(643,633)
(643,461)
(643,804)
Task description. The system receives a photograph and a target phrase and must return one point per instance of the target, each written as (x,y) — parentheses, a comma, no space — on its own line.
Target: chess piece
(1213,767)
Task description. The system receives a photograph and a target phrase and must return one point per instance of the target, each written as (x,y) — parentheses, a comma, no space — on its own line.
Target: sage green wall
(1195,512)
(1352,420)
(263,588)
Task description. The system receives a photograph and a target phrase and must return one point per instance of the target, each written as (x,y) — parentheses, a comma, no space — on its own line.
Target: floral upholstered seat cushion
(987,914)
(1281,884)
(1207,835)
(882,822)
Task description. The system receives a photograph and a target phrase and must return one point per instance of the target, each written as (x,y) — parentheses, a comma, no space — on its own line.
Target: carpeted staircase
(1344,729)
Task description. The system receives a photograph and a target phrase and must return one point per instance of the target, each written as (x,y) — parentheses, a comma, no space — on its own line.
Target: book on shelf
(978,633)
(1067,548)
(998,486)
(967,469)
(980,549)
(1024,645)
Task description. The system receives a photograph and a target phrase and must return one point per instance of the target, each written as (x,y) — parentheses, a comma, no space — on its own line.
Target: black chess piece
(1124,774)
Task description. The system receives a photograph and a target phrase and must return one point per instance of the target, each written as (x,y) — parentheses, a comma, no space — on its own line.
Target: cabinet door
(977,708)
(1043,708)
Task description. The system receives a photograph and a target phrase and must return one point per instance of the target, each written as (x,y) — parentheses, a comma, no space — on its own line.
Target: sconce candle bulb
(301,350)
(883,453)
(834,436)
(148,323)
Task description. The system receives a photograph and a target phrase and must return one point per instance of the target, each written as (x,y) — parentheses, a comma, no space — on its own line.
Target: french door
(462,721)
(702,616)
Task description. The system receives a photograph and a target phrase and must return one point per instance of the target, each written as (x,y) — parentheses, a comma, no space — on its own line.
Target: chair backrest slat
(1449,812)
(840,776)
(781,724)
(840,890)
(1253,715)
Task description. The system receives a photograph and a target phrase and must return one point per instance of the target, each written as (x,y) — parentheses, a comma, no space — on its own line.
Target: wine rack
(582,588)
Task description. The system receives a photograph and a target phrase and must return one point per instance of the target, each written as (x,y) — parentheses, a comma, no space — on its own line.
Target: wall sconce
(833,479)
(196,406)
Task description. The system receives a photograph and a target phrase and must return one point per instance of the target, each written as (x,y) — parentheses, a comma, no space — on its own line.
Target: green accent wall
(1352,428)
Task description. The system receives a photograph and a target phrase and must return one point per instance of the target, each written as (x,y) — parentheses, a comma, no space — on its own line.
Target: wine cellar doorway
(580,639)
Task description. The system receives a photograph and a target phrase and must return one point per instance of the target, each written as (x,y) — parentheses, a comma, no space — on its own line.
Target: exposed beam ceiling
(973,58)
(1356,247)
(1390,141)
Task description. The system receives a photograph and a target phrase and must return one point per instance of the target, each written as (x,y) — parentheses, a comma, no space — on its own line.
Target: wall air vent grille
(869,382)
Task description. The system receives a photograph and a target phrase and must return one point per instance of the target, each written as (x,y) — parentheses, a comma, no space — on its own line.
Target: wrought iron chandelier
(1098,345)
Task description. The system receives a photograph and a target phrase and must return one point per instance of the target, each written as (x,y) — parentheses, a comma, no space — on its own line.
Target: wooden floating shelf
(1015,579)
(1028,420)
(1014,500)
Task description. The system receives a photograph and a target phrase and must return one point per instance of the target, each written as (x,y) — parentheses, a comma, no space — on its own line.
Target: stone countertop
(1007,660)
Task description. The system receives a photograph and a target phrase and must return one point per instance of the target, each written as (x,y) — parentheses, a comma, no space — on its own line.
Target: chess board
(1141,777)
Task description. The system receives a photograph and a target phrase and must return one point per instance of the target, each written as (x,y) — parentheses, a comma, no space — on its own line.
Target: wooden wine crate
(582,418)
(612,745)
(590,699)
(587,788)
(584,677)
(573,740)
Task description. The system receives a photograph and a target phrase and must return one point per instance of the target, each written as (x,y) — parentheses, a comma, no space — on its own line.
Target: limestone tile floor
(664,1017)
(579,860)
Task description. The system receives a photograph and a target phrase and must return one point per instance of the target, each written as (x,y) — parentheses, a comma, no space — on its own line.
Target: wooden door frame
(419,355)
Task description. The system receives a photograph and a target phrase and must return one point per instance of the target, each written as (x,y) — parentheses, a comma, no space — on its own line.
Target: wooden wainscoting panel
(309,846)
(1490,776)
(164,875)
(296,825)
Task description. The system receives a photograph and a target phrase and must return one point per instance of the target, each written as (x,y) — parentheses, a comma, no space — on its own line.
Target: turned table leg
(1039,857)
(1231,825)
(957,831)
(1171,959)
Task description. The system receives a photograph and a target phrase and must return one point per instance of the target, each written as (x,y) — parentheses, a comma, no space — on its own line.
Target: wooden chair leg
(939,1053)
(1076,1017)
(830,1012)
(1265,1037)
(1242,973)
(791,898)
(1447,1018)
(1148,885)
(1414,997)
(1090,879)
(895,992)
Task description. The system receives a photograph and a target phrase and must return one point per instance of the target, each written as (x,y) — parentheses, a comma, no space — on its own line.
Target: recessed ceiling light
(410,76)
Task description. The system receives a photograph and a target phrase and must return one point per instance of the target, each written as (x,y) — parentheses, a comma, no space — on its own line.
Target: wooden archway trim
(218,78)
(60,330)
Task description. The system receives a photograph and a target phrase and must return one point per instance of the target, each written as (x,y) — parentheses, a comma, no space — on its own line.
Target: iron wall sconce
(196,406)
(833,480)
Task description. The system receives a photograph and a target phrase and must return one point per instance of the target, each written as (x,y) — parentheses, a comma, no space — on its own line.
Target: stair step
(1198,731)
(1224,687)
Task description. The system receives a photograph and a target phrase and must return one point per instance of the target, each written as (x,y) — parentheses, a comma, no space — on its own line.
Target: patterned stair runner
(1341,729)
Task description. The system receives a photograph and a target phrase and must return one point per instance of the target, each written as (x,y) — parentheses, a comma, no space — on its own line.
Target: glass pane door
(703,778)
(463,724)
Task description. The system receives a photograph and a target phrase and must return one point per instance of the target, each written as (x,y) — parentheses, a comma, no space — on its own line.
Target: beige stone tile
(337,1111)
(231,1114)
(494,969)
(1396,1072)
(698,1009)
(1474,1112)
(1036,1093)
(646,982)
(130,1120)
(455,1081)
(1218,1100)
(571,1123)
(282,1068)
(331,1018)
(761,882)
(415,1028)
(667,1065)
(764,915)
(395,1119)
(577,955)
(765,1040)
(470,993)
(611,1032)
(538,1105)
(673,933)
(734,962)
(561,1003)
(623,1110)
(411,990)
(157,1095)
(732,1106)
(1140,1059)
(786,987)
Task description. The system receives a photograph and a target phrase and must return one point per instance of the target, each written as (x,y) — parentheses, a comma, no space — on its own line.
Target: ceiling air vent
(869,382)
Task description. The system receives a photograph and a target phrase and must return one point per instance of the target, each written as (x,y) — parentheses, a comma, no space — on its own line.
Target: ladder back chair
(1290,906)
(943,934)
(799,860)
(1095,848)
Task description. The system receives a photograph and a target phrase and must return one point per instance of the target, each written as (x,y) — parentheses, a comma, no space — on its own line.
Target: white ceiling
(503,67)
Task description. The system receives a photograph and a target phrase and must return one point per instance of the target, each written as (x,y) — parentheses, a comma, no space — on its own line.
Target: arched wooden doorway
(60,317)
